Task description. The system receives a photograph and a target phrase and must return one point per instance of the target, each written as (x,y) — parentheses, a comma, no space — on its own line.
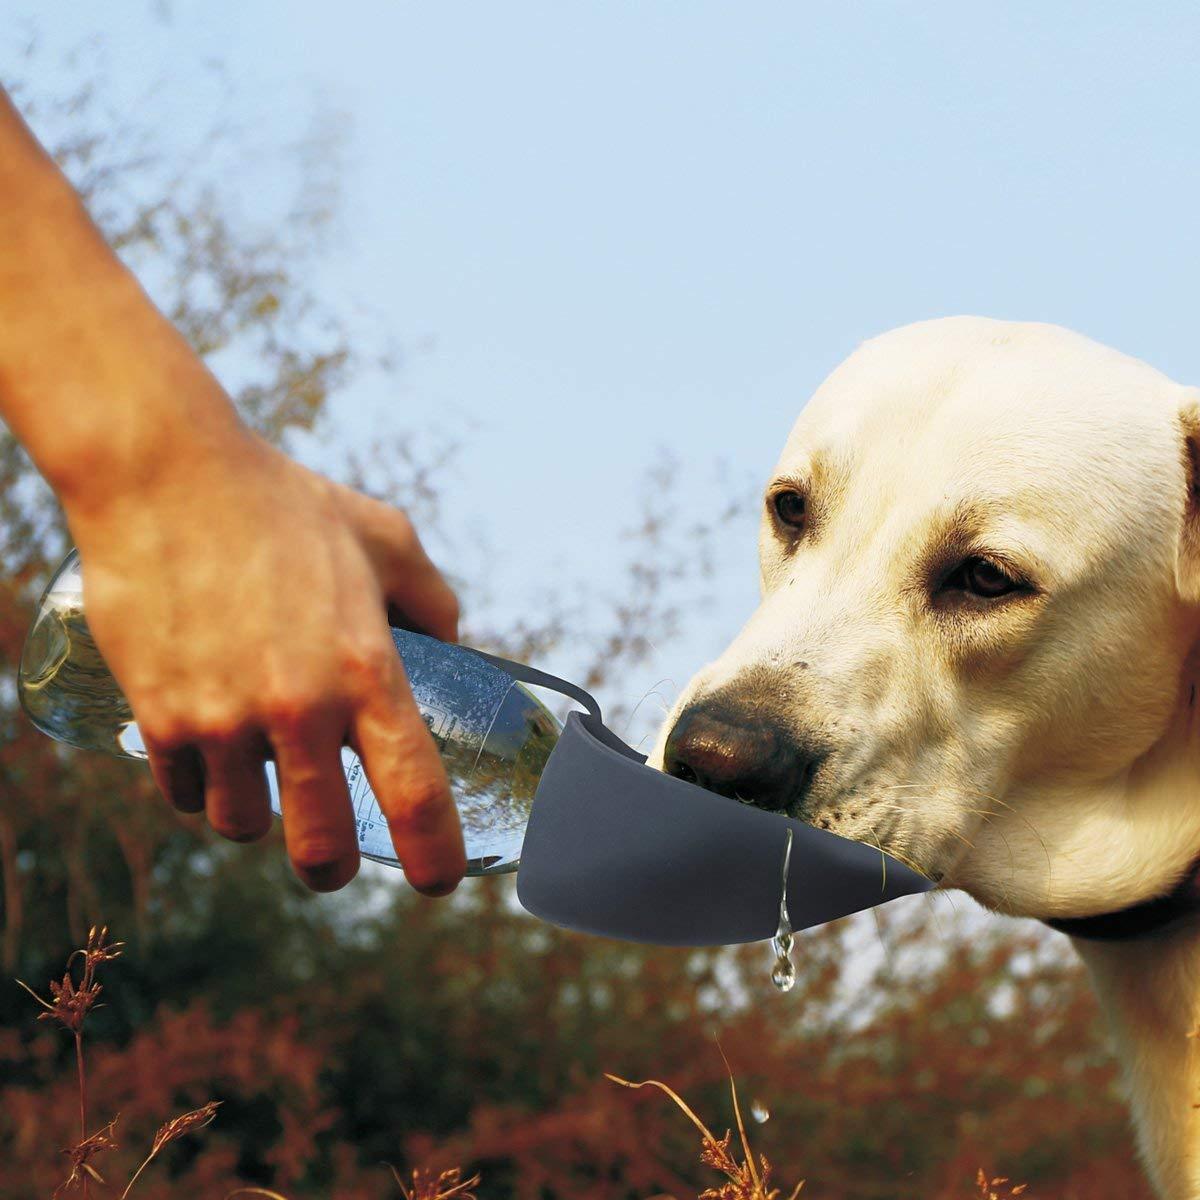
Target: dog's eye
(789,508)
(981,577)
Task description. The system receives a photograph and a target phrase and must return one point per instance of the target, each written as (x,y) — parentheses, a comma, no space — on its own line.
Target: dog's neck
(1172,768)
(1144,961)
(1150,992)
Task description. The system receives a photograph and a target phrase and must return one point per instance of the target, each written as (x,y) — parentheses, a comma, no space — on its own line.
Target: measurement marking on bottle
(438,721)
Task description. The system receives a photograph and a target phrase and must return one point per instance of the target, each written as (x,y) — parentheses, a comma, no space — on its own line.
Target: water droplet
(783,973)
(759,1111)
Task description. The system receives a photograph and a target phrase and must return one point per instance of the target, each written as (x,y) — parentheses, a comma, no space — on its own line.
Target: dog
(978,645)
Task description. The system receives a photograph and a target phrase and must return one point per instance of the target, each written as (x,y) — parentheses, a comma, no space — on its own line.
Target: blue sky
(609,227)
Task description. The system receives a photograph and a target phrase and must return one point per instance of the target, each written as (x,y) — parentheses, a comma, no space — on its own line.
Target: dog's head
(980,581)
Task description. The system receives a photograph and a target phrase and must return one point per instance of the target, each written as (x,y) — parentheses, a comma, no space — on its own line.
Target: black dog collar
(1139,920)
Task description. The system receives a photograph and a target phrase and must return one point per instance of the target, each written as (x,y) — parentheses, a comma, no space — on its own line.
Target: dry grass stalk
(987,1187)
(198,1118)
(186,1123)
(446,1185)
(745,1180)
(81,1155)
(70,1004)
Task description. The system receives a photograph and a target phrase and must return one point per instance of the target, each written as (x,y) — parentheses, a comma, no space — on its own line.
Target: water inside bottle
(493,734)
(494,737)
(64,684)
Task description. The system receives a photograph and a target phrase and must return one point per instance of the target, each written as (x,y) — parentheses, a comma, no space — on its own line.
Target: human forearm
(94,381)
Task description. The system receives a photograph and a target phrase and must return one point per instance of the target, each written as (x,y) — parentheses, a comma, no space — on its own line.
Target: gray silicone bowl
(616,848)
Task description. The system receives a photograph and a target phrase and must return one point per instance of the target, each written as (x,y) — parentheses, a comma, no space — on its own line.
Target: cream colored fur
(1039,752)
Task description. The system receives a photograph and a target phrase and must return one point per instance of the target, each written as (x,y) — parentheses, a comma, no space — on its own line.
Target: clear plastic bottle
(493,734)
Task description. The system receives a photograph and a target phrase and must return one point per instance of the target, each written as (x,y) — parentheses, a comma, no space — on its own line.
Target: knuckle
(221,728)
(290,714)
(368,665)
(164,733)
(215,724)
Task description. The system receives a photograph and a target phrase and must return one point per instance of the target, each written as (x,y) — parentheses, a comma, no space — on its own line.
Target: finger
(236,799)
(410,785)
(318,822)
(416,590)
(179,774)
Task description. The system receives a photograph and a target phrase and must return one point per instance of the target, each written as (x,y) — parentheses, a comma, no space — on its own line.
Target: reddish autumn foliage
(481,1041)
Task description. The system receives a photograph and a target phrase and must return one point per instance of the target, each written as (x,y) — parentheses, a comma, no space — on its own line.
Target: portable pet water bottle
(606,844)
(493,734)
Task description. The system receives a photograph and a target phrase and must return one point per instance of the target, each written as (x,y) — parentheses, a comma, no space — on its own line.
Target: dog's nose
(739,754)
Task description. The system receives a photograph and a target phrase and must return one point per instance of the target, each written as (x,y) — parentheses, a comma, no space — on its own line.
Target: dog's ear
(1187,556)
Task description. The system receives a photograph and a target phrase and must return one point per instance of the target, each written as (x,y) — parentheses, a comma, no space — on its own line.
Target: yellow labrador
(976,644)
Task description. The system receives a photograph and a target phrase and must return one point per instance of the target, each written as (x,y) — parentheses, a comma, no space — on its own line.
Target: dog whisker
(882,855)
(986,814)
(898,854)
(902,809)
(995,800)
(895,854)
(888,953)
(933,909)
(1032,827)
(646,696)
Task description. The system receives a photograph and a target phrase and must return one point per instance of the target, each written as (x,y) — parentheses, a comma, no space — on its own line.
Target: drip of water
(783,974)
(759,1111)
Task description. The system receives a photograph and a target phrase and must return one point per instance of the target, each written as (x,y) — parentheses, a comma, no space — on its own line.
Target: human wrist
(96,384)
(174,427)
(107,394)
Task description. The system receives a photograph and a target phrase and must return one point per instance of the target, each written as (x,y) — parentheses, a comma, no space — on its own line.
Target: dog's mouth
(848,818)
(761,764)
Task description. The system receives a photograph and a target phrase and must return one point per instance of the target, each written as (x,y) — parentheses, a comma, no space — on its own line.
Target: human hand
(240,601)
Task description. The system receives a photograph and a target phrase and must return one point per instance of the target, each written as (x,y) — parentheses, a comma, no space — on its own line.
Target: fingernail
(328,878)
(441,888)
